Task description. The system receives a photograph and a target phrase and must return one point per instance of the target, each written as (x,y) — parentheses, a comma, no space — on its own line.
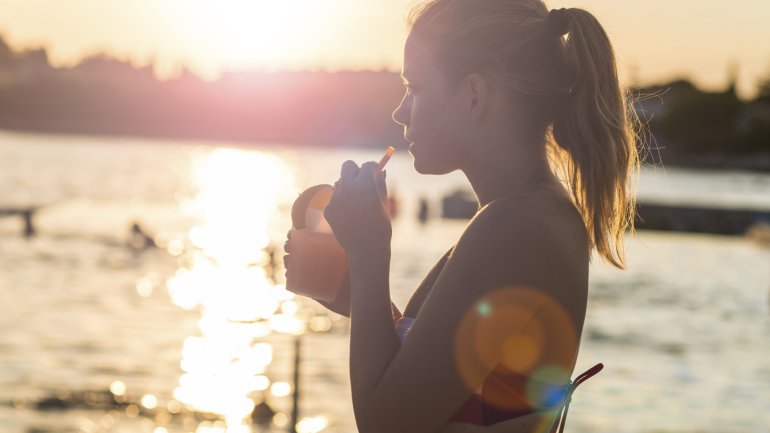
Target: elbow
(376,428)
(382,422)
(363,416)
(367,426)
(379,417)
(368,423)
(376,421)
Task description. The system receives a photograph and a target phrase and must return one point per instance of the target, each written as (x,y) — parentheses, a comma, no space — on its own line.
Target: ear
(478,91)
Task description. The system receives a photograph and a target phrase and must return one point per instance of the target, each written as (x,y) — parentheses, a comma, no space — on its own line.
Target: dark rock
(262,413)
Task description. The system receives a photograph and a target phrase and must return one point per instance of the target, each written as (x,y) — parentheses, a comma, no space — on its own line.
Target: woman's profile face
(430,111)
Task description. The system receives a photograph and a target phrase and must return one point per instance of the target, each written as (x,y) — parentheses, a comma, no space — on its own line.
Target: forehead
(418,59)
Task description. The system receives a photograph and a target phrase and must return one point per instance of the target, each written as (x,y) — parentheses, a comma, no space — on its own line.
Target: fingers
(288,240)
(349,170)
(355,180)
(369,169)
(371,172)
(287,249)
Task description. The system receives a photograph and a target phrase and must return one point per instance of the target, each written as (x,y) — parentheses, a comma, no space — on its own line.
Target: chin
(430,162)
(425,168)
(420,169)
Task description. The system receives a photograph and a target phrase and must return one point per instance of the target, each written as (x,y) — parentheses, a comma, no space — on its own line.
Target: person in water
(526,102)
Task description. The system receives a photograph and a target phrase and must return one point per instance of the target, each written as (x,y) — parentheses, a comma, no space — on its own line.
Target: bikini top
(501,382)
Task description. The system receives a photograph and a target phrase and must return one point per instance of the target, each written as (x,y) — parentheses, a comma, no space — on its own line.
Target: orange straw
(385,158)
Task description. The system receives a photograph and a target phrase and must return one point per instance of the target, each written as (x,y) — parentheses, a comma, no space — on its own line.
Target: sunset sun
(244,31)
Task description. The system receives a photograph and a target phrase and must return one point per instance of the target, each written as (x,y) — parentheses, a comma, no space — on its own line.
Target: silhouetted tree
(763,87)
(701,121)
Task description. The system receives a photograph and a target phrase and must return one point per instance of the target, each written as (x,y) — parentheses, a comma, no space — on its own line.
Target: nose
(399,115)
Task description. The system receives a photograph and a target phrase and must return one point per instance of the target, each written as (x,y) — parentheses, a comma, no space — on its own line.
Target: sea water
(202,322)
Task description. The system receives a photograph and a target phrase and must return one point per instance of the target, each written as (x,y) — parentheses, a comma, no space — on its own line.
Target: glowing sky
(655,40)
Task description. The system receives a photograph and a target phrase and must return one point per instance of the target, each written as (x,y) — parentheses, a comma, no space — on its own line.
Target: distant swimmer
(139,239)
(422,214)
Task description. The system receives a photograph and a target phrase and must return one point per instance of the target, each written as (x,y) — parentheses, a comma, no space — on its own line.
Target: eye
(409,88)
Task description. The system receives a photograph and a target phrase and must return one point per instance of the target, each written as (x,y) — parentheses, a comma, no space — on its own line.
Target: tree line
(103,95)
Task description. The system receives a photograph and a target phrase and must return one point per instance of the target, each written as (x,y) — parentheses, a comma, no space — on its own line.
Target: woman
(538,124)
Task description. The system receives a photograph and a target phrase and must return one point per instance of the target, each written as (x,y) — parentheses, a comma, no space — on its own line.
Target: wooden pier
(26,214)
(696,219)
(651,216)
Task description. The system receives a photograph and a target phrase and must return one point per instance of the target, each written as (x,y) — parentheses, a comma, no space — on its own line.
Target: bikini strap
(561,420)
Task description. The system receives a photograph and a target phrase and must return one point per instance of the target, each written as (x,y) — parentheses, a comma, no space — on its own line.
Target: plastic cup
(317,261)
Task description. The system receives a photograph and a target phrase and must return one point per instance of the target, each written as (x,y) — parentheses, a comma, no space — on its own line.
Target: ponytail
(594,133)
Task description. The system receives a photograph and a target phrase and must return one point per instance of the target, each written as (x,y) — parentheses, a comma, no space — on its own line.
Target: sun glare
(241,32)
(222,273)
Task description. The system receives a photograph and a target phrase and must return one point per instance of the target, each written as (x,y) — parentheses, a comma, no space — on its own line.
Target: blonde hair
(570,88)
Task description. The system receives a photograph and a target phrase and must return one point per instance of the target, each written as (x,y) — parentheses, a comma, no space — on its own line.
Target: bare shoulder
(516,228)
(534,243)
(507,218)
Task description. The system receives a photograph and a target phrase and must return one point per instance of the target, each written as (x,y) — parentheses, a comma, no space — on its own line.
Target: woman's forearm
(373,338)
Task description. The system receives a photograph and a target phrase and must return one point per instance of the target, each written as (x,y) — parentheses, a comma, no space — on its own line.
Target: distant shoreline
(754,162)
(212,139)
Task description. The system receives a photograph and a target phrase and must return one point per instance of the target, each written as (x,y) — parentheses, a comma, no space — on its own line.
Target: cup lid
(307,210)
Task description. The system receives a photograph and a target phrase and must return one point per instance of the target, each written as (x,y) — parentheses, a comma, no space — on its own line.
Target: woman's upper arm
(462,327)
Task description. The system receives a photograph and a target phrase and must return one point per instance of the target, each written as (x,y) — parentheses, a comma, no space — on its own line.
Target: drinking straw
(385,158)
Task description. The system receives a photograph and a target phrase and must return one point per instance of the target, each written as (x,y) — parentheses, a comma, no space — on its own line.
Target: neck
(507,170)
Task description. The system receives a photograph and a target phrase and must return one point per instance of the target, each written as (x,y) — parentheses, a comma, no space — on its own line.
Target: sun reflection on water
(222,273)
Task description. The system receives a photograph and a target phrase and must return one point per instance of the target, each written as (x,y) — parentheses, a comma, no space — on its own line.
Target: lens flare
(526,338)
(548,385)
(483,308)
